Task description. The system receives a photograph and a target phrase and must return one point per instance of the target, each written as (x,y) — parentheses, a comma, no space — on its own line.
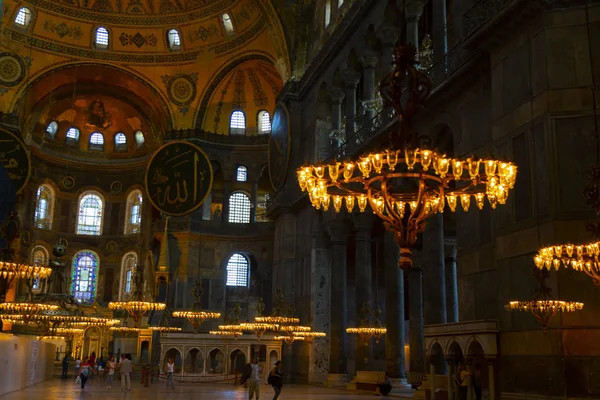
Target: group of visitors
(251,379)
(462,381)
(90,367)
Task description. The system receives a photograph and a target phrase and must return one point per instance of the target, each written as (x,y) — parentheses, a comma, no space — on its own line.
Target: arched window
(264,122)
(85,276)
(39,257)
(139,139)
(101,38)
(72,136)
(134,212)
(239,208)
(340,3)
(237,123)
(51,129)
(128,265)
(23,17)
(227,24)
(174,39)
(327,13)
(44,207)
(89,216)
(97,141)
(238,270)
(241,173)
(120,142)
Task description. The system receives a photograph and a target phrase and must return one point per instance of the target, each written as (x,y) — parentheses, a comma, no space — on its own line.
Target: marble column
(321,302)
(491,378)
(394,310)
(351,79)
(440,35)
(450,362)
(339,304)
(253,199)
(369,62)
(388,35)
(364,294)
(417,338)
(226,193)
(434,278)
(451,283)
(336,95)
(412,11)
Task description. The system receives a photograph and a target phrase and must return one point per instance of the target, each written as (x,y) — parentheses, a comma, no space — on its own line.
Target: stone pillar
(226,193)
(394,310)
(450,362)
(351,79)
(440,35)
(451,283)
(491,378)
(412,11)
(253,200)
(469,366)
(336,95)
(364,286)
(417,339)
(388,35)
(337,343)
(321,303)
(432,386)
(369,61)
(433,271)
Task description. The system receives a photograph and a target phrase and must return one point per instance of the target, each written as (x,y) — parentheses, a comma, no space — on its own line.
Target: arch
(263,122)
(51,129)
(133,214)
(23,17)
(174,39)
(97,141)
(90,213)
(239,208)
(120,142)
(86,264)
(238,359)
(227,24)
(128,264)
(194,361)
(44,207)
(238,270)
(237,123)
(241,173)
(41,257)
(216,361)
(175,354)
(101,39)
(454,350)
(273,358)
(437,359)
(474,347)
(72,136)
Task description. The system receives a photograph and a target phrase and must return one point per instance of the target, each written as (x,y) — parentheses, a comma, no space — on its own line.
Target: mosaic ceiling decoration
(12,69)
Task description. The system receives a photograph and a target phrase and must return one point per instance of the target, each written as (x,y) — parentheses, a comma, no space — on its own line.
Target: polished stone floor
(67,390)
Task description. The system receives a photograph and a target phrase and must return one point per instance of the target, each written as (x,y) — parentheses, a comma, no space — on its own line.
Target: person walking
(125,373)
(111,364)
(77,366)
(65,367)
(275,379)
(170,369)
(85,372)
(254,380)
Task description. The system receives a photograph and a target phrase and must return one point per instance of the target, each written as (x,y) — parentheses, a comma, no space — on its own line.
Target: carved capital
(388,35)
(491,360)
(336,95)
(369,60)
(351,79)
(413,10)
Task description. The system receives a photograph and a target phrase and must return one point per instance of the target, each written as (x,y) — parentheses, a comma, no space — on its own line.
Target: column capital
(351,79)
(338,232)
(336,94)
(413,9)
(388,34)
(369,60)
(490,360)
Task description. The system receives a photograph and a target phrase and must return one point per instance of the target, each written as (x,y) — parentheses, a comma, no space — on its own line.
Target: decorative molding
(217,119)
(239,40)
(12,69)
(260,98)
(62,29)
(181,89)
(203,33)
(239,91)
(138,40)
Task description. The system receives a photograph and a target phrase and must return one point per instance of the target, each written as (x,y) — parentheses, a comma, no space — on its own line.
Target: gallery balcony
(216,228)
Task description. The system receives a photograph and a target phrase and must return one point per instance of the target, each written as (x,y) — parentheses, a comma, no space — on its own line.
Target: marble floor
(67,390)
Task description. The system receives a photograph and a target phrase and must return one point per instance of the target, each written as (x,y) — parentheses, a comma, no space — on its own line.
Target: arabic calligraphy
(178,178)
(14,159)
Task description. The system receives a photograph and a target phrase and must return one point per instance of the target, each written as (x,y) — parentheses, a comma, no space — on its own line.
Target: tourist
(246,375)
(125,373)
(100,364)
(477,382)
(386,387)
(77,366)
(170,369)
(275,379)
(110,368)
(65,367)
(253,380)
(85,372)
(462,382)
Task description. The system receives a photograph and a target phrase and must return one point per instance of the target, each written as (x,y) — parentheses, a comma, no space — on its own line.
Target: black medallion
(15,159)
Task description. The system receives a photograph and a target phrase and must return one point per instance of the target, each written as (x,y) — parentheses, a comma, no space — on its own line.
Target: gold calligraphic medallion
(279,146)
(179,176)
(15,159)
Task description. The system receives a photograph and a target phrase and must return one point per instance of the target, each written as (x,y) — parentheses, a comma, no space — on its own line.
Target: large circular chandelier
(196,318)
(584,258)
(407,182)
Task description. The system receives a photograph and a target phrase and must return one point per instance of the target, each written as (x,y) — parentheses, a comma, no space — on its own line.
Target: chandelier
(290,339)
(585,258)
(138,306)
(196,316)
(369,327)
(309,337)
(233,329)
(276,319)
(407,182)
(11,270)
(543,307)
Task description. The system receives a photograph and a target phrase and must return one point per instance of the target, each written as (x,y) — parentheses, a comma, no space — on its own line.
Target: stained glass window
(227,24)
(51,129)
(340,3)
(128,265)
(327,13)
(97,141)
(174,39)
(241,174)
(89,221)
(264,122)
(120,142)
(85,276)
(139,138)
(134,212)
(72,136)
(43,207)
(39,257)
(237,123)
(23,17)
(239,208)
(102,38)
(238,270)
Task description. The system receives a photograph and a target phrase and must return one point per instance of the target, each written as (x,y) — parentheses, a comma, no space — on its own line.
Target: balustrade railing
(247,139)
(481,13)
